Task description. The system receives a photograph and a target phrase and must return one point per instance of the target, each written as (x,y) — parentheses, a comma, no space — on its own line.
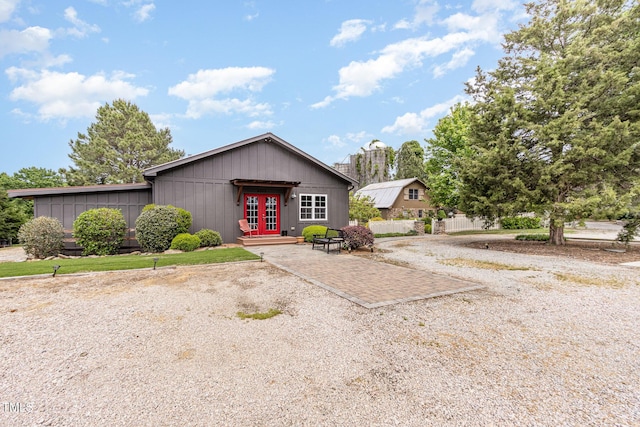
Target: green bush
(209,237)
(100,231)
(184,219)
(520,223)
(533,237)
(427,227)
(310,230)
(185,242)
(42,237)
(156,227)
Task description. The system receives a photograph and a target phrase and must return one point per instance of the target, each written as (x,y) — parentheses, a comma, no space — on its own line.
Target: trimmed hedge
(533,237)
(100,231)
(520,223)
(209,237)
(42,237)
(156,227)
(310,230)
(185,242)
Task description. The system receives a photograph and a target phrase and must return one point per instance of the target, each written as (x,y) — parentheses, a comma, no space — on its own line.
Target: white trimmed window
(313,207)
(413,194)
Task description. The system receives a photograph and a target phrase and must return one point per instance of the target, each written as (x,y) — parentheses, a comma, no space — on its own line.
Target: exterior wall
(203,188)
(412,208)
(67,207)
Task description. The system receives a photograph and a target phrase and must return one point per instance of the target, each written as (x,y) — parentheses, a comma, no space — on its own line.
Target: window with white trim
(313,207)
(413,194)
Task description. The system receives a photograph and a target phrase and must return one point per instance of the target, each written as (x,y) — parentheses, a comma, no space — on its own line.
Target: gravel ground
(551,342)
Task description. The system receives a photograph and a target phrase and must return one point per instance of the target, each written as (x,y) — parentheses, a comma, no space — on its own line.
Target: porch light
(293,195)
(55,270)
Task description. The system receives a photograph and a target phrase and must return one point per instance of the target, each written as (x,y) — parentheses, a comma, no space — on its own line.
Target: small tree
(361,208)
(100,231)
(42,237)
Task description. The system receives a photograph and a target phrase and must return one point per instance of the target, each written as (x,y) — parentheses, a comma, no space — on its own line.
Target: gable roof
(267,137)
(384,194)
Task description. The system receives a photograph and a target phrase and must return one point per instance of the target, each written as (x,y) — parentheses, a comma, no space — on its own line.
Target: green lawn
(124,262)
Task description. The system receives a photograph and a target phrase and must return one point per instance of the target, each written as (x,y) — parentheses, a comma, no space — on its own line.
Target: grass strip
(124,262)
(487,265)
(259,316)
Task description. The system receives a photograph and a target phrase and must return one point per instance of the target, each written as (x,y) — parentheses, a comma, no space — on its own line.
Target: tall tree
(31,177)
(556,126)
(12,216)
(410,161)
(445,153)
(121,144)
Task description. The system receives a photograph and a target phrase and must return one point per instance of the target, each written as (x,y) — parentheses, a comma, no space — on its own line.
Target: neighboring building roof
(267,137)
(385,193)
(27,193)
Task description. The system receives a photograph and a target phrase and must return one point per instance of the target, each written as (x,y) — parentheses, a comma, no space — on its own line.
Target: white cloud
(144,12)
(201,88)
(65,95)
(350,31)
(32,39)
(257,124)
(81,28)
(364,78)
(416,123)
(482,6)
(459,59)
(6,9)
(335,141)
(425,13)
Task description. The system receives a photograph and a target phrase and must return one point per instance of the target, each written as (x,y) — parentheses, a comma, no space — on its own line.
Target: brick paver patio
(365,282)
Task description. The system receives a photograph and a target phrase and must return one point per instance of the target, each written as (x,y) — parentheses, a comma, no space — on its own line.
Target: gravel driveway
(550,342)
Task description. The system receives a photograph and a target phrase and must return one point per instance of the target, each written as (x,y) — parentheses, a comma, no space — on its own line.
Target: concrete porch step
(266,240)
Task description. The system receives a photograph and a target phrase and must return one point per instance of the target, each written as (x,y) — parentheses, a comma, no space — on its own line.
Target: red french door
(262,212)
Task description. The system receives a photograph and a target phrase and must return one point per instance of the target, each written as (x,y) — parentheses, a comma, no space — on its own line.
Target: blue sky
(328,76)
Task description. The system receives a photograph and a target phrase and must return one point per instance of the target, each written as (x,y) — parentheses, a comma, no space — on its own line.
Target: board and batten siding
(67,207)
(204,188)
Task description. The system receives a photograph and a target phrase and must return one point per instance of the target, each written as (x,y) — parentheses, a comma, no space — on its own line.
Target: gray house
(277,187)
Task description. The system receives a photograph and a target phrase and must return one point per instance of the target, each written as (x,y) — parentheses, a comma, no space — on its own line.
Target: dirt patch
(606,253)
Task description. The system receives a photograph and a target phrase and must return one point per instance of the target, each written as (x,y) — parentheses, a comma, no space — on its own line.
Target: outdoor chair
(245,227)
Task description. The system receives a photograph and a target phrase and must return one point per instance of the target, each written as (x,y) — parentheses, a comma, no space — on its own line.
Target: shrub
(427,227)
(442,215)
(520,223)
(533,237)
(184,220)
(356,236)
(42,237)
(100,231)
(209,237)
(377,218)
(156,227)
(185,242)
(310,230)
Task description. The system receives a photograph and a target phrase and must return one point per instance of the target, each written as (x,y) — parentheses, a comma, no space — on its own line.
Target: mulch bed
(606,253)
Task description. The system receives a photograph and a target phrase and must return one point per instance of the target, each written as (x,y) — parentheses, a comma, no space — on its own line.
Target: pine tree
(118,147)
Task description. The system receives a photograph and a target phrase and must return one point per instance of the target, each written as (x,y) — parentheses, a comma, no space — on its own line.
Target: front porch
(266,240)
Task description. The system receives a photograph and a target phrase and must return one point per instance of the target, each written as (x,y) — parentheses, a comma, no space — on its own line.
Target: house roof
(267,137)
(28,193)
(384,194)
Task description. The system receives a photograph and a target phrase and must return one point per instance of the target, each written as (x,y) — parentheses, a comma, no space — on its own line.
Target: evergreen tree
(556,126)
(118,147)
(410,161)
